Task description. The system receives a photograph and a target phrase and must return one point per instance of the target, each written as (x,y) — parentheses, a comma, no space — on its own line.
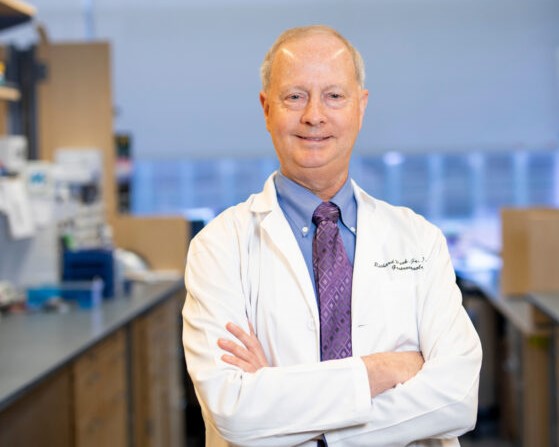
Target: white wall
(443,74)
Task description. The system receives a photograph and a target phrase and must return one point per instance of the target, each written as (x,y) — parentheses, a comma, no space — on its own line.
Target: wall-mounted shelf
(9,93)
(14,12)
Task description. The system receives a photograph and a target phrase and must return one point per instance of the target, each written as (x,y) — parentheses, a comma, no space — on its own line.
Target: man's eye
(335,96)
(294,97)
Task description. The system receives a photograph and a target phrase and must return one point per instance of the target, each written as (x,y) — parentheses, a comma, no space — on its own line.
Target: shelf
(9,93)
(14,12)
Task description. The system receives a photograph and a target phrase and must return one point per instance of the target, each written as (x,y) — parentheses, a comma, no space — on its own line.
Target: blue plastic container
(87,265)
(87,294)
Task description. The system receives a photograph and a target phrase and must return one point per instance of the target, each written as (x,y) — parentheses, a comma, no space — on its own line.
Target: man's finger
(250,341)
(235,349)
(235,361)
(237,331)
(251,350)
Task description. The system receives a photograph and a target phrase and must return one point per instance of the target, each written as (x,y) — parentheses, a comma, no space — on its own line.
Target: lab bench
(104,376)
(518,359)
(548,304)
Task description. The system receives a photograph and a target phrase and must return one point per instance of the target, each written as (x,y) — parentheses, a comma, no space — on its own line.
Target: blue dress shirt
(298,205)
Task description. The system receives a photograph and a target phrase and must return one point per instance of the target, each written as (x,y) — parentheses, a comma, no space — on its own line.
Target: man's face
(314,108)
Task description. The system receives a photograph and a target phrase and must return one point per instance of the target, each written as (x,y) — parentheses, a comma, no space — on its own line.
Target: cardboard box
(162,241)
(543,253)
(530,248)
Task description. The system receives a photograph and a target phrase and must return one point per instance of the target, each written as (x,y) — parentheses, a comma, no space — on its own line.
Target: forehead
(312,57)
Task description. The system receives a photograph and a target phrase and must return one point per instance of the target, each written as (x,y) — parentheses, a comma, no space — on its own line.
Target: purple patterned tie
(333,274)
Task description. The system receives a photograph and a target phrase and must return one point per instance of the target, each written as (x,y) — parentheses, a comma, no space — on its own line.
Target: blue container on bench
(87,294)
(86,265)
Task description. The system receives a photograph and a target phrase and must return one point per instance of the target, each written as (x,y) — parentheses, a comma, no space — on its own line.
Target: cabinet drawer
(100,393)
(113,346)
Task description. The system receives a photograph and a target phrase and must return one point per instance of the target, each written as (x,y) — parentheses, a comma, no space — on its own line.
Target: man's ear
(264,103)
(265,107)
(363,101)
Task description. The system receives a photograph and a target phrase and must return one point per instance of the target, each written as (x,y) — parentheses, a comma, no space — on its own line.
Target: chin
(322,160)
(313,159)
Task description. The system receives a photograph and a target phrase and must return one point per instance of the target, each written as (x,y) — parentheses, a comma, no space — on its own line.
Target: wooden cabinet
(156,385)
(101,384)
(125,390)
(42,417)
(85,404)
(100,394)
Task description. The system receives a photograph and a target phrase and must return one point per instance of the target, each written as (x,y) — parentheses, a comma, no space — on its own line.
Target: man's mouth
(313,138)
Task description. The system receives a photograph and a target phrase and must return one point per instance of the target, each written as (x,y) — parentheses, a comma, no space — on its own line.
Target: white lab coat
(247,266)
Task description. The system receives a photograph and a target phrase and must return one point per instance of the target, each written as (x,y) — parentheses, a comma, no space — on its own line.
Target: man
(390,358)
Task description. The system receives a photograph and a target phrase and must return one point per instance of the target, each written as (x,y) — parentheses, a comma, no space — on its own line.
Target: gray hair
(295,33)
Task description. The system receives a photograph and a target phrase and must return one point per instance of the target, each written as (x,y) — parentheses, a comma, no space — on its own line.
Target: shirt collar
(299,203)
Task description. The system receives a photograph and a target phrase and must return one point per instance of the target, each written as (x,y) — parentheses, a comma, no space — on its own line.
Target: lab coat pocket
(386,318)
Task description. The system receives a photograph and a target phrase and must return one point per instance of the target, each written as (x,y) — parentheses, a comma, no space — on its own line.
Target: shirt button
(305,230)
(310,324)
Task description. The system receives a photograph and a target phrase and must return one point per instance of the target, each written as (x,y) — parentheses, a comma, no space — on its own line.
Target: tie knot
(326,211)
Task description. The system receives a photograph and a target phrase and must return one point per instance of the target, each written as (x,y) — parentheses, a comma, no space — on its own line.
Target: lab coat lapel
(371,238)
(282,241)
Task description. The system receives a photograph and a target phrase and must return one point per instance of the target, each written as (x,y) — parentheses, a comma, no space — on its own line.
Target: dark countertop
(32,346)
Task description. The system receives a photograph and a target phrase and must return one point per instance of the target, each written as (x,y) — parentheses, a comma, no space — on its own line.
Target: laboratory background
(127,125)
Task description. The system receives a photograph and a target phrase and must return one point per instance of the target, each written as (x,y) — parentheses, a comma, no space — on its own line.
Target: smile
(313,139)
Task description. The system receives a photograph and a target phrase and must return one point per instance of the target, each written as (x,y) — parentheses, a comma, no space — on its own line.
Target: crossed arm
(385,370)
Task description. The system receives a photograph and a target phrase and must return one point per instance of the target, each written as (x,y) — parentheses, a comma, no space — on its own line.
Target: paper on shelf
(39,177)
(17,207)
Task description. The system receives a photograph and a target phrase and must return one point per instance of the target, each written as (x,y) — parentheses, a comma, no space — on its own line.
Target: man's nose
(314,113)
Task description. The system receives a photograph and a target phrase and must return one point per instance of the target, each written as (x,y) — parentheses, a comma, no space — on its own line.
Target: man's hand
(387,369)
(249,357)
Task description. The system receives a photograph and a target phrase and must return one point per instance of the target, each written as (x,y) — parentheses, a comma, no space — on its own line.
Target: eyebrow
(300,87)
